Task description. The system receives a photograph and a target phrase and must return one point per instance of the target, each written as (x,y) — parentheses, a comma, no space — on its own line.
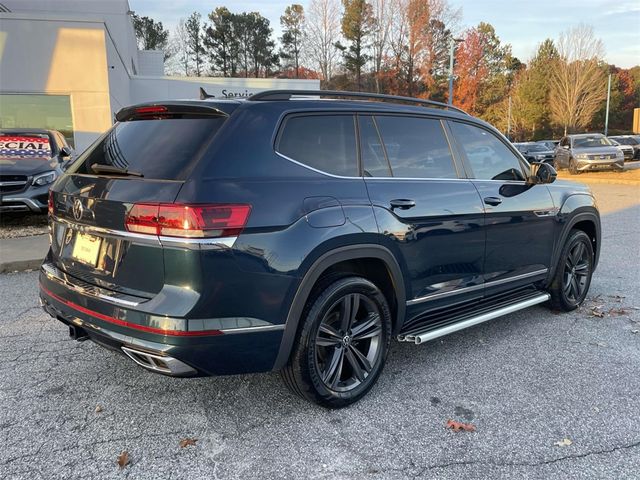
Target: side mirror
(66,152)
(542,173)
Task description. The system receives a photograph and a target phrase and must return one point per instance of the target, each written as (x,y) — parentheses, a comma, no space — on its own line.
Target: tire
(573,167)
(342,344)
(572,278)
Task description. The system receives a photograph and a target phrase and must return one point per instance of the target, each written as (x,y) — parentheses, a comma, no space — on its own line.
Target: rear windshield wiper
(110,169)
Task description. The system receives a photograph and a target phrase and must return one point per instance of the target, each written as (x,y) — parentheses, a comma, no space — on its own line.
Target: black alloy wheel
(348,342)
(573,273)
(342,345)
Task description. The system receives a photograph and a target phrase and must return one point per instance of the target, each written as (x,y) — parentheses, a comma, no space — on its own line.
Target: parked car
(550,144)
(628,141)
(535,152)
(588,151)
(627,150)
(30,161)
(340,226)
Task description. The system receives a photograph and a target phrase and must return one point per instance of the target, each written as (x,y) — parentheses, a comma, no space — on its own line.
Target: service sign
(25,146)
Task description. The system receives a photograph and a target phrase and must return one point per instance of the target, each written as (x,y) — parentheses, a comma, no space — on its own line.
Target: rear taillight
(191,221)
(50,203)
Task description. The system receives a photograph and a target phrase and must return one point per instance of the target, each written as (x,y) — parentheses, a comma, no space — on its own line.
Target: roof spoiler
(149,111)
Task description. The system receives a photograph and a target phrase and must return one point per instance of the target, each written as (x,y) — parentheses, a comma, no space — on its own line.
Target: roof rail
(287,94)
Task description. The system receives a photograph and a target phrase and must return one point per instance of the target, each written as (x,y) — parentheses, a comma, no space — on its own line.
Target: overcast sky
(522,23)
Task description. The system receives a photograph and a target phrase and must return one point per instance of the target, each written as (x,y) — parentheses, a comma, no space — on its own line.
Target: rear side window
(162,149)
(324,142)
(415,147)
(488,156)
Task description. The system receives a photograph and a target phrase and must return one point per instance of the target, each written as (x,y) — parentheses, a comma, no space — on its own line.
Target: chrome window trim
(369,178)
(435,296)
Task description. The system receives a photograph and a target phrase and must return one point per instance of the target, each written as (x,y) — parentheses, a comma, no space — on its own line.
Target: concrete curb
(22,253)
(20,266)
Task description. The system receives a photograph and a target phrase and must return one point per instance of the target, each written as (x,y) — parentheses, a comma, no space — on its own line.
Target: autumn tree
(221,42)
(420,42)
(357,24)
(531,97)
(383,15)
(193,28)
(150,34)
(578,83)
(624,98)
(322,27)
(292,23)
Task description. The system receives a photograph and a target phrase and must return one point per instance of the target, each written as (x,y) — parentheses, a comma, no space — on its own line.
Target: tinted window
(324,142)
(161,149)
(373,157)
(489,157)
(416,147)
(591,142)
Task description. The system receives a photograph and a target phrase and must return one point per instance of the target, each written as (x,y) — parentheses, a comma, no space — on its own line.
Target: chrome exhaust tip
(159,363)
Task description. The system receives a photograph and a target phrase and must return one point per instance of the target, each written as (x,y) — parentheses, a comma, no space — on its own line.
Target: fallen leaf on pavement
(618,311)
(565,442)
(185,442)
(457,426)
(596,312)
(123,459)
(98,408)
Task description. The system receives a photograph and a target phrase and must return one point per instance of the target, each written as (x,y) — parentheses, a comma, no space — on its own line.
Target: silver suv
(588,151)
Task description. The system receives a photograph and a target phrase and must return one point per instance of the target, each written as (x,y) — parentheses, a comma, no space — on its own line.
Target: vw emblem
(77,209)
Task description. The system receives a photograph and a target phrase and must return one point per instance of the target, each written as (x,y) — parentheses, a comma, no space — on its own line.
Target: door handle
(492,201)
(402,203)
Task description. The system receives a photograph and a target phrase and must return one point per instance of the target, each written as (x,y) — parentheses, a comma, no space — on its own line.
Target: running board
(427,335)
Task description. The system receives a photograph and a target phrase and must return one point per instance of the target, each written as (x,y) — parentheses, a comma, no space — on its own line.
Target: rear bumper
(162,344)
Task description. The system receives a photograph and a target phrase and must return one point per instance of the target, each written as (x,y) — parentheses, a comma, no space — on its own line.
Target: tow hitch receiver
(78,333)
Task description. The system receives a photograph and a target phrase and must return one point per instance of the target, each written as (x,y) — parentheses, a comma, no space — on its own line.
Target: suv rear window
(324,142)
(160,149)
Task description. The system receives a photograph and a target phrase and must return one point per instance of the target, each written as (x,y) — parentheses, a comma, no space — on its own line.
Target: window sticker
(24,146)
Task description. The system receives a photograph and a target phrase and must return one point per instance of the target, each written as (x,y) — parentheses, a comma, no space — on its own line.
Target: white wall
(148,89)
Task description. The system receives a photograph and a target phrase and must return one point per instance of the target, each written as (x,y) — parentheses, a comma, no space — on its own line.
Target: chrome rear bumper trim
(56,275)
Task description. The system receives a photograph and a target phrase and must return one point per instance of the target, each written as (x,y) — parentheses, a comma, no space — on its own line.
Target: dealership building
(70,65)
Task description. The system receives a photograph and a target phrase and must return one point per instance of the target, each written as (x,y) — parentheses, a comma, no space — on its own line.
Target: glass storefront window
(52,112)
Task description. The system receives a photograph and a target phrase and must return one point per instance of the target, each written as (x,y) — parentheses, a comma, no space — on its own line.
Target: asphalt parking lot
(551,396)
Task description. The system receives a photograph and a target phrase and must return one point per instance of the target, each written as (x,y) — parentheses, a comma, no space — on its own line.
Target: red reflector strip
(123,323)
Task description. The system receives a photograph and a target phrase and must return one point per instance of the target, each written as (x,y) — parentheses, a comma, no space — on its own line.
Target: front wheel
(573,167)
(571,281)
(343,344)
